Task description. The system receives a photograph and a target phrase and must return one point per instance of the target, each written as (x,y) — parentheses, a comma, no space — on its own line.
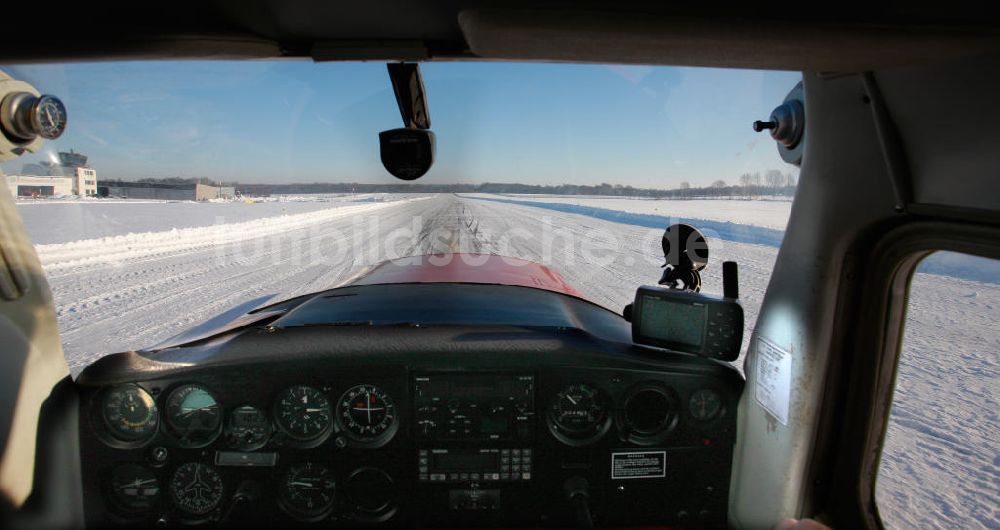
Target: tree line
(770,183)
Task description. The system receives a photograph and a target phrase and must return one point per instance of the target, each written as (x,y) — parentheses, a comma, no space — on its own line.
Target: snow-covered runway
(134,290)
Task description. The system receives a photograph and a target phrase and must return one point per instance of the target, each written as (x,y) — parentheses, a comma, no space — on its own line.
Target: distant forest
(770,183)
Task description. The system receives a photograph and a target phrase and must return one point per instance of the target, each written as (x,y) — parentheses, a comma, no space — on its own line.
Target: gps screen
(681,323)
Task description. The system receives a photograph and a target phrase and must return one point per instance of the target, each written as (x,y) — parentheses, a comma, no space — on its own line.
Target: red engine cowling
(467,268)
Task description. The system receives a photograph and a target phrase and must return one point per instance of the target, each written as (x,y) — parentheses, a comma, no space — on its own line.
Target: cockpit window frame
(864,385)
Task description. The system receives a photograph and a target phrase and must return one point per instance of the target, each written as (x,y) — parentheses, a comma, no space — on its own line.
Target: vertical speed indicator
(367,415)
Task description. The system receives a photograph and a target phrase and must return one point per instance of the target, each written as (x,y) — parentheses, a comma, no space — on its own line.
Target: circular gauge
(372,493)
(248,428)
(193,415)
(649,414)
(705,404)
(196,488)
(49,117)
(367,414)
(306,491)
(579,414)
(129,413)
(304,414)
(133,489)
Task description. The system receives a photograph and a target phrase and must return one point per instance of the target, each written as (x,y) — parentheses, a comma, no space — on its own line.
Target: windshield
(220,185)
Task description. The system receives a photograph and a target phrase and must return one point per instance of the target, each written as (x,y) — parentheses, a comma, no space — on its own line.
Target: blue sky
(298,121)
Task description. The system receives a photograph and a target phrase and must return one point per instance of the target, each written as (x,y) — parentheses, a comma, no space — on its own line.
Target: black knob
(158,455)
(426,428)
(787,123)
(761,125)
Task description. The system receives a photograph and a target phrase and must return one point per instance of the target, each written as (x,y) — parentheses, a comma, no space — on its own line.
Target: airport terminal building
(169,192)
(71,176)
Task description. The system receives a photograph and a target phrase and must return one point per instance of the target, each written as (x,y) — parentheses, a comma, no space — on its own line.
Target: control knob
(426,427)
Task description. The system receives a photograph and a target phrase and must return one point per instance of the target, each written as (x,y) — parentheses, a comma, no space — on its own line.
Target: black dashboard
(401,426)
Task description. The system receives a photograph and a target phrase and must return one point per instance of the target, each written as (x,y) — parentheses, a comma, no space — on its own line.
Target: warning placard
(639,464)
(774,379)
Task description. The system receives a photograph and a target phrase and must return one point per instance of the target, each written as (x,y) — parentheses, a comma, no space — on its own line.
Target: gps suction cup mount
(686,253)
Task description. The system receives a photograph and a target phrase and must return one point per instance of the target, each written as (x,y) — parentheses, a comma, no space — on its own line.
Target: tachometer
(579,414)
(129,413)
(306,491)
(196,488)
(304,414)
(367,414)
(193,415)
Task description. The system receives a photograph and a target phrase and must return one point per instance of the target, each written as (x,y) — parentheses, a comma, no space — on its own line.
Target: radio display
(493,425)
(488,464)
(477,406)
(467,461)
(474,386)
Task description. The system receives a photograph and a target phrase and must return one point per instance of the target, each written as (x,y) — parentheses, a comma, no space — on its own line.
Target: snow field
(764,213)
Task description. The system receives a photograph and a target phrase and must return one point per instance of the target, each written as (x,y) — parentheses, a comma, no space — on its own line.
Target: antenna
(730,280)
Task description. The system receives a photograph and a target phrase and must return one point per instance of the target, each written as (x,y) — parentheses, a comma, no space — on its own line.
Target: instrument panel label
(774,379)
(638,464)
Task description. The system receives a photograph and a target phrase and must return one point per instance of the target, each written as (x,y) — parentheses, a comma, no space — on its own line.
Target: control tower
(72,159)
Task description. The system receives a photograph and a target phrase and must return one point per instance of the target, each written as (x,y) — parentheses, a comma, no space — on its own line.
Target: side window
(940,465)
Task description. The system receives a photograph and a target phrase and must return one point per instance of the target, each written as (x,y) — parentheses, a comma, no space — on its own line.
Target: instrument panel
(191,450)
(405,445)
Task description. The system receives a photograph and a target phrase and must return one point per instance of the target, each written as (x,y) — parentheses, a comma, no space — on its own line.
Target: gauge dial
(649,414)
(580,413)
(193,415)
(372,493)
(196,488)
(248,428)
(307,491)
(134,489)
(49,117)
(705,404)
(366,413)
(647,411)
(129,413)
(304,414)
